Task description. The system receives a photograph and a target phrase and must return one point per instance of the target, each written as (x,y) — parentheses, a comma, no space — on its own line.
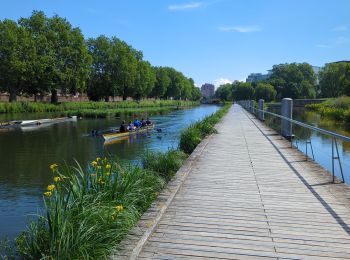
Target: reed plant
(165,164)
(87,212)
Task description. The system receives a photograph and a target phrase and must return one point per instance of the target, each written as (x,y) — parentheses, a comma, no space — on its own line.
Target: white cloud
(185,6)
(221,81)
(241,29)
(342,40)
(340,28)
(323,46)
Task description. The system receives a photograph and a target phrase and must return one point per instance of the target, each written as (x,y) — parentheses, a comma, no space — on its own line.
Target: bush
(190,138)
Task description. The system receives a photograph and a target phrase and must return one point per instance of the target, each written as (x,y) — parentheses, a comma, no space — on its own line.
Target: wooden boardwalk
(250,196)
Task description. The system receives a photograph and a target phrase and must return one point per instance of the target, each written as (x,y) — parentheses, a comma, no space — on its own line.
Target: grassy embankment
(197,131)
(97,109)
(335,108)
(87,212)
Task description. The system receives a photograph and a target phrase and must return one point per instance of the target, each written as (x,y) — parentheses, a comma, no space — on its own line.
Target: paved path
(250,196)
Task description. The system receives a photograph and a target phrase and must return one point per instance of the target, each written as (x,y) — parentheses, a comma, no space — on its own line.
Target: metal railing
(252,109)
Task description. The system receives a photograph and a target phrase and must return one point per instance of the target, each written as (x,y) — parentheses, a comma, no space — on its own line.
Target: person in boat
(131,126)
(123,127)
(148,122)
(143,122)
(137,123)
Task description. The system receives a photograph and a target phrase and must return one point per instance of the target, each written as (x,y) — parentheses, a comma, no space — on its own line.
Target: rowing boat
(114,136)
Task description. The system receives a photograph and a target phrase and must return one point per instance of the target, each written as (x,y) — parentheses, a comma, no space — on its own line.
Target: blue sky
(213,40)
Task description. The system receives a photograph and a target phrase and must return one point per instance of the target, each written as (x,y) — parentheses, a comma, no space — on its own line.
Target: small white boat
(37,122)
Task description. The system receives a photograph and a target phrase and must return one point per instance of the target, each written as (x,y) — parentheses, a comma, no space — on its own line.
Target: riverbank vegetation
(197,131)
(335,108)
(96,109)
(88,212)
(43,55)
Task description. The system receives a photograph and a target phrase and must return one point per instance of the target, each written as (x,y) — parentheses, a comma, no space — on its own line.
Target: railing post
(287,111)
(251,104)
(261,110)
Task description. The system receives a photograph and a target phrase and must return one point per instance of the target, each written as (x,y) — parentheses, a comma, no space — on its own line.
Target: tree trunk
(13,95)
(54,97)
(107,99)
(35,97)
(124,96)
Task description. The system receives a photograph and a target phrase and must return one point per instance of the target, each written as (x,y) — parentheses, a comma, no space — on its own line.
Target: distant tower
(208,90)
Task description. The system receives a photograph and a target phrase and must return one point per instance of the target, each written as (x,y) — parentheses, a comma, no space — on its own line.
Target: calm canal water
(321,143)
(25,156)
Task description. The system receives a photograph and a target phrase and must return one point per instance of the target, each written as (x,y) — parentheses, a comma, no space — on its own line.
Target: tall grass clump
(165,164)
(197,131)
(88,212)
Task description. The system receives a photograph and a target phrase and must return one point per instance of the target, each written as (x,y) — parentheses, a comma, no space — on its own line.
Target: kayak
(114,136)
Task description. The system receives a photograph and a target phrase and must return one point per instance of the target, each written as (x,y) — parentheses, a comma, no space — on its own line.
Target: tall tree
(124,67)
(162,83)
(145,80)
(17,52)
(242,91)
(224,92)
(294,80)
(62,60)
(265,91)
(100,83)
(335,80)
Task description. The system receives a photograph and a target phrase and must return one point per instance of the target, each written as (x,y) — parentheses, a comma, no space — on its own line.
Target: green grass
(31,107)
(88,212)
(107,113)
(196,132)
(335,108)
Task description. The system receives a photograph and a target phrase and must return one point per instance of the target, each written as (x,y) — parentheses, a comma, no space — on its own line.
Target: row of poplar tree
(41,55)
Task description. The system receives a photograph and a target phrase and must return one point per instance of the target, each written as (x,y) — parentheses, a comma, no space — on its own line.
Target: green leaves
(293,80)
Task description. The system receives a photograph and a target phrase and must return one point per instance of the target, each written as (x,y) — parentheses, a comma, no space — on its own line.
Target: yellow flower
(100,181)
(98,159)
(108,166)
(114,217)
(119,208)
(94,163)
(48,193)
(108,173)
(54,167)
(57,179)
(51,187)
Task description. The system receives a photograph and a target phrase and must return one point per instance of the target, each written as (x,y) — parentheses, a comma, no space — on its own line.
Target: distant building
(208,90)
(256,77)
